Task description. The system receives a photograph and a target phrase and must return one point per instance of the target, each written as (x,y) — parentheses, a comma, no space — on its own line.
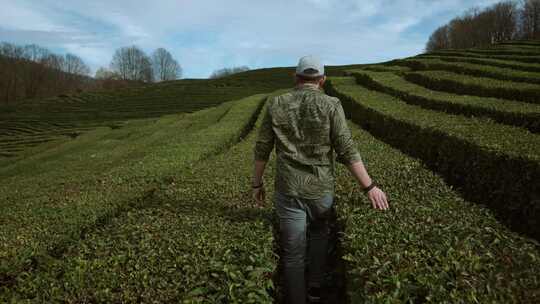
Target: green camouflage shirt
(306,126)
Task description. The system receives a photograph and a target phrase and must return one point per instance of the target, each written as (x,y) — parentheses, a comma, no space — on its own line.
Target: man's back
(305,126)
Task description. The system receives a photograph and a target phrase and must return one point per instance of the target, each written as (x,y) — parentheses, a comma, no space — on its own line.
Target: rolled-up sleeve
(265,138)
(341,138)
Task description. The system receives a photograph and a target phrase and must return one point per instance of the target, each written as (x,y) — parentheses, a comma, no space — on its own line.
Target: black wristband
(368,188)
(259,186)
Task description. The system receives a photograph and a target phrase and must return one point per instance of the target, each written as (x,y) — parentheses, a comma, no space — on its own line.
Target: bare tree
(106,74)
(165,67)
(477,28)
(35,53)
(33,71)
(131,63)
(505,16)
(11,50)
(438,40)
(75,65)
(228,71)
(11,69)
(530,19)
(457,28)
(54,61)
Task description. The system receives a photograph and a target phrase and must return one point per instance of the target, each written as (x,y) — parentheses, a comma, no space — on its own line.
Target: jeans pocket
(284,205)
(320,208)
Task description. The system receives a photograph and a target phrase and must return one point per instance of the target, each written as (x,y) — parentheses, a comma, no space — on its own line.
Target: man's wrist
(369,188)
(258,186)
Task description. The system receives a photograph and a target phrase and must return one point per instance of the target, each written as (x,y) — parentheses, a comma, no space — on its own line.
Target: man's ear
(321,82)
(296,79)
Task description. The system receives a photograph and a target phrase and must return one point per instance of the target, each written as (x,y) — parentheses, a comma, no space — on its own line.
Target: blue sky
(206,35)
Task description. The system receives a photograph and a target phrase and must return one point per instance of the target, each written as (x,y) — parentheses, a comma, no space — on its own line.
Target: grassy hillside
(33,122)
(144,196)
(472,117)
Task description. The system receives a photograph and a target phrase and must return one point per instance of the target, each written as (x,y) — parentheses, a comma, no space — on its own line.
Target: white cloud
(18,16)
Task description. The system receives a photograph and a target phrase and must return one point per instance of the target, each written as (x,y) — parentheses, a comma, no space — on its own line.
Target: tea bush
(492,163)
(500,110)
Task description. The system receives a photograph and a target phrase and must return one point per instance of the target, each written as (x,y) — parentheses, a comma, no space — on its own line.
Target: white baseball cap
(310,66)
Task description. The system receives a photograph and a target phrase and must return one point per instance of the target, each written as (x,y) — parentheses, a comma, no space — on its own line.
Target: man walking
(307,127)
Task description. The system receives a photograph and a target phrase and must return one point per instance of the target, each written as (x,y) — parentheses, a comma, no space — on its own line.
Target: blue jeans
(300,220)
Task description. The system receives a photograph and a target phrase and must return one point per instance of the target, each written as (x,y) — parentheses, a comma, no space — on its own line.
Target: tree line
(31,71)
(133,64)
(220,73)
(502,21)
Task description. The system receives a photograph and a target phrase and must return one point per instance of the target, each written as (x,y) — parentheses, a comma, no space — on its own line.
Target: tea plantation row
(500,110)
(431,245)
(465,53)
(465,150)
(477,86)
(196,239)
(70,115)
(473,69)
(509,64)
(77,186)
(31,122)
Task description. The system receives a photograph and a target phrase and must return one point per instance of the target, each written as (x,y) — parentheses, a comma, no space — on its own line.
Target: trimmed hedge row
(521,44)
(526,59)
(493,164)
(510,52)
(196,239)
(152,100)
(73,188)
(499,52)
(521,48)
(514,65)
(477,86)
(503,111)
(471,69)
(387,67)
(431,245)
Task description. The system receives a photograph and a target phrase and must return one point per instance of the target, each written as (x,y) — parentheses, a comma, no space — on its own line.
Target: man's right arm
(265,138)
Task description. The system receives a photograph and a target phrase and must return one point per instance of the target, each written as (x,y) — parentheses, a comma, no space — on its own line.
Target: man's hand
(378,198)
(259,195)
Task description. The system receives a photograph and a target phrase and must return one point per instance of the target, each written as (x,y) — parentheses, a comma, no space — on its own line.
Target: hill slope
(158,208)
(33,122)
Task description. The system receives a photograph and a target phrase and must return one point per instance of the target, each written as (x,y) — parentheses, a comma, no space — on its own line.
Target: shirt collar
(308,86)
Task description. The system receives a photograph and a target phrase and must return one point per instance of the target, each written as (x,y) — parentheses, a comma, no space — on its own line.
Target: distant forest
(32,71)
(506,20)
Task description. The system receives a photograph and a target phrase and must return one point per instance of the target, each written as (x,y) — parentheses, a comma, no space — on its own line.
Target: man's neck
(308,85)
